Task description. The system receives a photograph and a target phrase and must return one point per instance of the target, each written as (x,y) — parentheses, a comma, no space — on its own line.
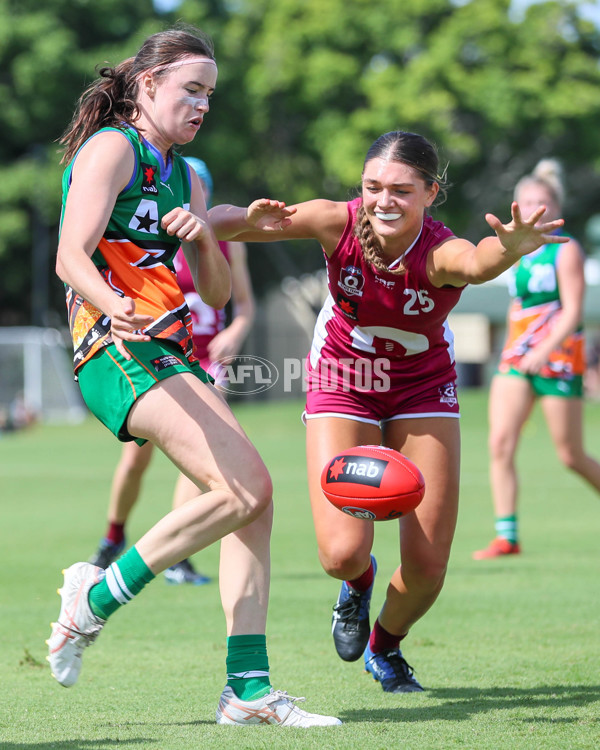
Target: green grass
(510,653)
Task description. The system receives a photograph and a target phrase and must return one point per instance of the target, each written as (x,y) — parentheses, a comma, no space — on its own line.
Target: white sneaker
(77,626)
(276,707)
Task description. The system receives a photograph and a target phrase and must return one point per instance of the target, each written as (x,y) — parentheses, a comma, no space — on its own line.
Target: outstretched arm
(267,220)
(458,262)
(252,223)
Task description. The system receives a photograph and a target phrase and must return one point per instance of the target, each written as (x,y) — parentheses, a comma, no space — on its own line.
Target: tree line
(303,90)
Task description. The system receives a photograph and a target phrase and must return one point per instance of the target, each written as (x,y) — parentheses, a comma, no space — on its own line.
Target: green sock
(507,527)
(248,666)
(124,579)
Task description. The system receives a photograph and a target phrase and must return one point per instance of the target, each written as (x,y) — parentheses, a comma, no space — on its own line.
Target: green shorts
(542,386)
(111,384)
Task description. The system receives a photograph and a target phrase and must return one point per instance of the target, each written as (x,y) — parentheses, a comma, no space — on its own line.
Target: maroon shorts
(377,397)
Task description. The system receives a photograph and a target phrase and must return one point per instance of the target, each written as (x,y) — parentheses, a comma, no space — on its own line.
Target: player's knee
(569,459)
(136,464)
(135,471)
(426,574)
(262,491)
(254,493)
(500,446)
(342,563)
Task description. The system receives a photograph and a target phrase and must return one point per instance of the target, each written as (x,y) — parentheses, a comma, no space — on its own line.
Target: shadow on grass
(460,704)
(455,704)
(78,744)
(107,743)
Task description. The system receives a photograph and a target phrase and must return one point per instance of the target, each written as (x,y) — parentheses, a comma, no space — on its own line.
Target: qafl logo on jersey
(448,394)
(352,281)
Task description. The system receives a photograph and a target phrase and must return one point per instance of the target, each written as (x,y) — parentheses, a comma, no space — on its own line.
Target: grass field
(510,653)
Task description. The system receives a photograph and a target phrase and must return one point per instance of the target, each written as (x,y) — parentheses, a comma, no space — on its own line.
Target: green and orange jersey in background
(533,311)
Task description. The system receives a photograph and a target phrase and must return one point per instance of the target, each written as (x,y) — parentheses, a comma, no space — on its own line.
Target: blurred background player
(543,358)
(213,341)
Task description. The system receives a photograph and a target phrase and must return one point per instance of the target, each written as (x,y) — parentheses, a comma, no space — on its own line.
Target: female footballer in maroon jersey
(381,371)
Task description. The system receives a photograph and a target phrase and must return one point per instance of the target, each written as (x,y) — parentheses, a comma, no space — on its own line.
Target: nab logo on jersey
(148,181)
(347,306)
(357,470)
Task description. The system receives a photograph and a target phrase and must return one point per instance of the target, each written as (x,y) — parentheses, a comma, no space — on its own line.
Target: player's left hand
(184,224)
(224,345)
(520,237)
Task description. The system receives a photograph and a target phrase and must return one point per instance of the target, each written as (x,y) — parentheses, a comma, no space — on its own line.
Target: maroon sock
(363,581)
(381,640)
(115,533)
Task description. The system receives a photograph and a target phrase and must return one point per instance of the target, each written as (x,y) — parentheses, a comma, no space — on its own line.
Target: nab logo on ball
(372,482)
(357,469)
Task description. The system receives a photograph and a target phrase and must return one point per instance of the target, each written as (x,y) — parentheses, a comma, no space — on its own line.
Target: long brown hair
(415,151)
(111,99)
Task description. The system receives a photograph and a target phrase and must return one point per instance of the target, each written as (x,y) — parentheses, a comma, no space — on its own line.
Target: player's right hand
(126,325)
(269,215)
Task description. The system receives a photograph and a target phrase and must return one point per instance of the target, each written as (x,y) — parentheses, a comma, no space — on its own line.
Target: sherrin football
(373,482)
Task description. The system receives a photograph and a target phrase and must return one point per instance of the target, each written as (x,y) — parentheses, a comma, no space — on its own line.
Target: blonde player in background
(543,359)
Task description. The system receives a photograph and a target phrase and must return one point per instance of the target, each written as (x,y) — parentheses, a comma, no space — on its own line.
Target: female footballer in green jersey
(130,201)
(543,358)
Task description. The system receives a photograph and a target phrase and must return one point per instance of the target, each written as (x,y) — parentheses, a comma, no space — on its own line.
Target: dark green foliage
(303,90)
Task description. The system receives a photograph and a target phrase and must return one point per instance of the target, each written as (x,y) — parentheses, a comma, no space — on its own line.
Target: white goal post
(36,374)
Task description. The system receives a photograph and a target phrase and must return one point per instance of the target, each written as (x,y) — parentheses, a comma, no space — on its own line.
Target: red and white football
(373,482)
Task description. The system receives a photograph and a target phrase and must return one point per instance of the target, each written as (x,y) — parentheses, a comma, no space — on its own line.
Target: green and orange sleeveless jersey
(135,255)
(533,311)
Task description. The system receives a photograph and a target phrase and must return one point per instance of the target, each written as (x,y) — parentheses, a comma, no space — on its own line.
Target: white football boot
(77,626)
(276,707)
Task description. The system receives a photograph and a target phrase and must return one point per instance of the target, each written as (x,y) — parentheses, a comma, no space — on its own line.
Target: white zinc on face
(197,91)
(198,100)
(387,216)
